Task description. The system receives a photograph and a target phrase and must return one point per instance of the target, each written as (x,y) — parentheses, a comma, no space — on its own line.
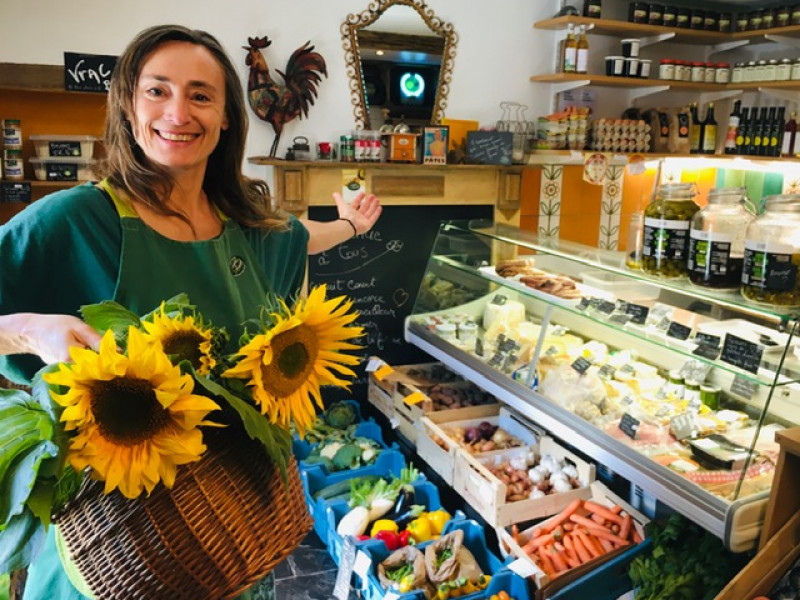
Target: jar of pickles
(667,220)
(772,254)
(716,240)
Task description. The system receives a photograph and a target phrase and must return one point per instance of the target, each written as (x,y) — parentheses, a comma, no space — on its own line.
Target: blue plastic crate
(368,429)
(606,582)
(506,581)
(425,493)
(389,462)
(474,540)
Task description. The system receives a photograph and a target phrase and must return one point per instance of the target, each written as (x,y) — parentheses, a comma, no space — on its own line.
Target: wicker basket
(226,523)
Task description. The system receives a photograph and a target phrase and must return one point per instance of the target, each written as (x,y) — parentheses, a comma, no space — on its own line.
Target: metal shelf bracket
(724,47)
(716,96)
(789,95)
(655,39)
(783,39)
(635,94)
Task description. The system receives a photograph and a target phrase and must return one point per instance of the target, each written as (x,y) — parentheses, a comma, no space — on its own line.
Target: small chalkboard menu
(88,72)
(742,353)
(489,147)
(15,191)
(381,272)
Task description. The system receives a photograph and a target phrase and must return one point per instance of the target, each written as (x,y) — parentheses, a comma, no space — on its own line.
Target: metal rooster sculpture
(275,103)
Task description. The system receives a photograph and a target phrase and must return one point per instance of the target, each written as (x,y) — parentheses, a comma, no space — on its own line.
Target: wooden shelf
(539,157)
(630,82)
(34,78)
(625,28)
(332,164)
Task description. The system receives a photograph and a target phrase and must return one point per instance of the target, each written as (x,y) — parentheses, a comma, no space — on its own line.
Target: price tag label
(679,331)
(620,319)
(496,360)
(347,560)
(743,387)
(414,398)
(581,365)
(741,353)
(707,339)
(15,191)
(638,313)
(523,568)
(707,351)
(683,426)
(479,346)
(383,371)
(606,372)
(629,425)
(583,304)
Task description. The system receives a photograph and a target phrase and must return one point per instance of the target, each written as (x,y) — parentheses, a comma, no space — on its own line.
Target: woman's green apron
(222,278)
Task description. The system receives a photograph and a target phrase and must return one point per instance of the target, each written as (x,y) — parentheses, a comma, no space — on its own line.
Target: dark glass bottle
(757,131)
(695,130)
(776,132)
(709,133)
(743,133)
(733,127)
(766,132)
(789,136)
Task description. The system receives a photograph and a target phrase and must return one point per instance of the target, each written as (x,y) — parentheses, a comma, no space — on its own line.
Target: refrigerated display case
(679,389)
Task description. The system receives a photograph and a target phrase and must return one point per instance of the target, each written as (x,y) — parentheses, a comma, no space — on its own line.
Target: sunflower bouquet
(125,423)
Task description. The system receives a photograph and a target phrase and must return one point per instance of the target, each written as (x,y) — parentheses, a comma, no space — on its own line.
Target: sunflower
(133,416)
(184,337)
(288,362)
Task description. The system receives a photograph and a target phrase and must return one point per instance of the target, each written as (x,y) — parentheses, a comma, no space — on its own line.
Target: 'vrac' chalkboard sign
(88,72)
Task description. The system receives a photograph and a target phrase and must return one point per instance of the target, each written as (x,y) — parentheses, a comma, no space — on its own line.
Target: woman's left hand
(362,212)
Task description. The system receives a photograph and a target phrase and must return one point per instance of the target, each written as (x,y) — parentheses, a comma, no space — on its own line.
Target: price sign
(679,331)
(707,338)
(707,351)
(683,426)
(629,425)
(603,306)
(606,372)
(347,561)
(743,387)
(638,313)
(581,365)
(11,191)
(620,318)
(742,353)
(583,304)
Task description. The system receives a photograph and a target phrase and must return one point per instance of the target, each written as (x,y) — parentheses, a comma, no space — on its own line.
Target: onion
(500,437)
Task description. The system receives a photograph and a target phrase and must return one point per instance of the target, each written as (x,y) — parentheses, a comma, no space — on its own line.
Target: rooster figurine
(278,104)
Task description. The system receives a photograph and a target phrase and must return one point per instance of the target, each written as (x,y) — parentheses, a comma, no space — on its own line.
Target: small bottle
(758,131)
(593,9)
(582,61)
(789,136)
(709,134)
(733,127)
(742,133)
(633,259)
(695,130)
(569,63)
(776,132)
(766,132)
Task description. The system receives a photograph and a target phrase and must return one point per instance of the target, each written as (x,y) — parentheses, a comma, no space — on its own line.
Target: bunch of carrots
(583,531)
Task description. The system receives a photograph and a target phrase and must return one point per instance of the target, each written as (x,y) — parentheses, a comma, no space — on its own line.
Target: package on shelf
(315,479)
(73,168)
(474,541)
(439,449)
(595,567)
(425,494)
(50,146)
(564,129)
(491,497)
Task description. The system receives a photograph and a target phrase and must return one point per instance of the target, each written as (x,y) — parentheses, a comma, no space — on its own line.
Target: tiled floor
(308,573)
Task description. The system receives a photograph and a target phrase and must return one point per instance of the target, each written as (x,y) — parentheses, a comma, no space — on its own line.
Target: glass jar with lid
(749,71)
(737,75)
(666,230)
(716,240)
(760,72)
(796,69)
(771,70)
(784,70)
(772,253)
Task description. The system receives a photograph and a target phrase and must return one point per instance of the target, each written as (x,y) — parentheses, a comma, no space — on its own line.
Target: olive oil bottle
(709,132)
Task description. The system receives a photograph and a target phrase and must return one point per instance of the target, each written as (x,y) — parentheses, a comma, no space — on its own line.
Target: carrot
(593,550)
(601,510)
(563,516)
(568,526)
(606,534)
(559,564)
(616,509)
(579,520)
(625,528)
(547,564)
(535,543)
(607,546)
(581,550)
(637,539)
(598,519)
(572,560)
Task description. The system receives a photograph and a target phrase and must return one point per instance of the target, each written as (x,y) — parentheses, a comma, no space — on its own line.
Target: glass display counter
(677,388)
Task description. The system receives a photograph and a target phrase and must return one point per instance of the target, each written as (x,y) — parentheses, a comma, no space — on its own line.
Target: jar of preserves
(711,20)
(772,253)
(670,16)
(684,18)
(725,24)
(737,75)
(783,16)
(716,240)
(722,73)
(698,72)
(760,72)
(796,69)
(710,73)
(754,21)
(655,14)
(666,69)
(749,71)
(666,230)
(784,70)
(768,18)
(771,70)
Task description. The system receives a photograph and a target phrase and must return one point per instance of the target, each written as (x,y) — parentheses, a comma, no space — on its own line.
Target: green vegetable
(379,497)
(342,488)
(347,456)
(686,563)
(442,556)
(400,572)
(340,415)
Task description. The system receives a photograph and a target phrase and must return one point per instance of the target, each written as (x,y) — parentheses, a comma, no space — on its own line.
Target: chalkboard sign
(381,273)
(707,339)
(489,147)
(15,192)
(638,312)
(679,331)
(581,365)
(629,425)
(742,353)
(88,72)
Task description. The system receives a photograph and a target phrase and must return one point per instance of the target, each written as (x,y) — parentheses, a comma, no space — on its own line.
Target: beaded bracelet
(355,231)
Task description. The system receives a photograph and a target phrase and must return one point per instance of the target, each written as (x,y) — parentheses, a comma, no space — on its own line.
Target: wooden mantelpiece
(300,184)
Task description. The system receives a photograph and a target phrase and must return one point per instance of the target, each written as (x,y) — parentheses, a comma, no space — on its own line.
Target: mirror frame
(375,9)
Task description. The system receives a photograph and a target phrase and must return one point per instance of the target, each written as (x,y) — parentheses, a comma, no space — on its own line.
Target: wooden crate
(487,494)
(378,397)
(547,587)
(441,459)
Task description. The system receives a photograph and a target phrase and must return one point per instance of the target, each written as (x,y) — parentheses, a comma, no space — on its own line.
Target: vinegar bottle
(709,135)
(570,51)
(789,136)
(733,128)
(582,60)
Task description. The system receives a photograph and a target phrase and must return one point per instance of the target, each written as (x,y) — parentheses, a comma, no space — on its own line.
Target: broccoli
(329,450)
(340,415)
(347,457)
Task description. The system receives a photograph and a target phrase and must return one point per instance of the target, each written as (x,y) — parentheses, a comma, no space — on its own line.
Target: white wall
(498,49)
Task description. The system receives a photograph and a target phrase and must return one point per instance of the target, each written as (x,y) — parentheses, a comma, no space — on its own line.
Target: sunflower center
(294,351)
(127,411)
(186,346)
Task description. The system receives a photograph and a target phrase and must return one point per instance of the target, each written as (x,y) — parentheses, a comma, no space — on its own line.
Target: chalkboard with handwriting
(88,72)
(381,272)
(489,147)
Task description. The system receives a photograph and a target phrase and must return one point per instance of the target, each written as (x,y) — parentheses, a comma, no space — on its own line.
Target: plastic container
(63,168)
(13,166)
(772,254)
(12,134)
(620,287)
(716,240)
(666,230)
(50,146)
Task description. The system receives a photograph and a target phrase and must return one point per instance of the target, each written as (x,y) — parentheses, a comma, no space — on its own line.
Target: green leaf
(110,315)
(21,431)
(176,305)
(66,487)
(41,393)
(20,542)
(276,441)
(21,476)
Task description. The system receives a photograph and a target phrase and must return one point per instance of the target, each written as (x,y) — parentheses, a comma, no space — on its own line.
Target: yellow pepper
(483,581)
(437,519)
(383,525)
(406,584)
(443,592)
(420,530)
(468,587)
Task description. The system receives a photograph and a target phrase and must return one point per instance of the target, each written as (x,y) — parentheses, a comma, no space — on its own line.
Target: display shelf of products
(629,82)
(608,387)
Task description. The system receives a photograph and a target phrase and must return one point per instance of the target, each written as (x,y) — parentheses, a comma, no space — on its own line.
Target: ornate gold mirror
(400,55)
